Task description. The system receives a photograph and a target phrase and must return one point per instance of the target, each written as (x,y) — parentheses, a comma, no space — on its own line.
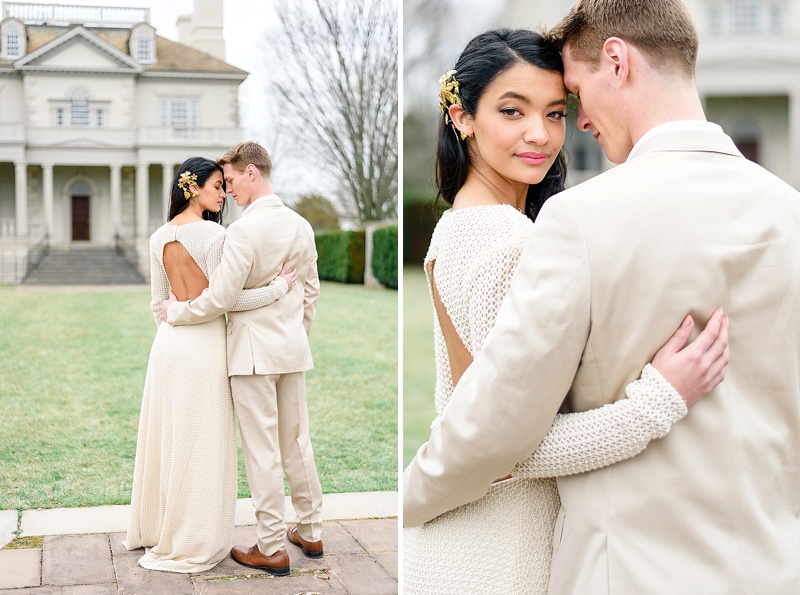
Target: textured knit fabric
(502,542)
(185,478)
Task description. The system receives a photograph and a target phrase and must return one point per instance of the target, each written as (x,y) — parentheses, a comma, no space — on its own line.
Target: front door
(80,218)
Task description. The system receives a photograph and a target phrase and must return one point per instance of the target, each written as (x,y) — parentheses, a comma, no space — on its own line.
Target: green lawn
(419,374)
(71,386)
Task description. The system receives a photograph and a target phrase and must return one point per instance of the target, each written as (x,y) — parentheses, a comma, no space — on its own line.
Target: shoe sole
(307,553)
(269,569)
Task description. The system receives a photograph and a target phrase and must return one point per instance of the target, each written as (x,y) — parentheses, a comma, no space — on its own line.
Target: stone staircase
(83,265)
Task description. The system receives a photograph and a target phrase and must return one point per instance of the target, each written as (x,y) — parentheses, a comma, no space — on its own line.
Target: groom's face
(238,184)
(599,108)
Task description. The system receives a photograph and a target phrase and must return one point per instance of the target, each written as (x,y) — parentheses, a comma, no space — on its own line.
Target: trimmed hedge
(384,255)
(340,256)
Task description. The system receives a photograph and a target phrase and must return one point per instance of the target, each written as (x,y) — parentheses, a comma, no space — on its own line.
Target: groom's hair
(662,29)
(243,154)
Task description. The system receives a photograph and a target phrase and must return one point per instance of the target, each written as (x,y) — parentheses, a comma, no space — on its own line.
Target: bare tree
(338,87)
(424,48)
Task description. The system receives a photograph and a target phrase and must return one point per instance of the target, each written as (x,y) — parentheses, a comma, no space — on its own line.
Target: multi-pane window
(179,114)
(144,47)
(715,20)
(776,19)
(12,43)
(79,110)
(744,15)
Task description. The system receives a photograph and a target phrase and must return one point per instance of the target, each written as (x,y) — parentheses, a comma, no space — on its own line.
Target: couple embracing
(185,480)
(542,329)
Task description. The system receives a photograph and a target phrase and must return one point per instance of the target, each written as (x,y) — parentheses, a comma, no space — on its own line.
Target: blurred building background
(748,75)
(96,112)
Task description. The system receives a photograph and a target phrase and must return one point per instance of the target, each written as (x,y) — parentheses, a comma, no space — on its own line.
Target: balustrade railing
(114,16)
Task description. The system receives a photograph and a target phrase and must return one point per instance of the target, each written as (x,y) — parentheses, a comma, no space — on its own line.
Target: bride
(498,159)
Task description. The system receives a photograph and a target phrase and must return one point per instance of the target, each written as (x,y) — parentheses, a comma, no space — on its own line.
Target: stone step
(84,265)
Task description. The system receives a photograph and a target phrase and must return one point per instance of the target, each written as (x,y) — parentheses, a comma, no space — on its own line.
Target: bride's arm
(250,299)
(579,442)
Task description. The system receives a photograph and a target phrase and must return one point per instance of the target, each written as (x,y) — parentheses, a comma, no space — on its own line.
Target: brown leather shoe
(312,549)
(277,563)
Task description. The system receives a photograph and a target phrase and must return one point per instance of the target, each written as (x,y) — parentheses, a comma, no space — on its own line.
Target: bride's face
(519,124)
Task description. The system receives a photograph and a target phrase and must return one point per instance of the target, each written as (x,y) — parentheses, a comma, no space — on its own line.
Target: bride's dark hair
(485,57)
(202,168)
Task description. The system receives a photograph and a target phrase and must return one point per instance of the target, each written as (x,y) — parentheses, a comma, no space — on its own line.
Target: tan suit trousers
(273,420)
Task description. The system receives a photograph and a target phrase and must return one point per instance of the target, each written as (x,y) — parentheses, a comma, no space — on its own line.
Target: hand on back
(695,369)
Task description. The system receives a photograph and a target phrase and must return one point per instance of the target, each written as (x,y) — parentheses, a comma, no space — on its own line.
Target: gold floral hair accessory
(449,94)
(187,179)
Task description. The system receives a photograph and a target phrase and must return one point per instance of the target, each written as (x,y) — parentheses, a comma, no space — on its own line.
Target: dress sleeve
(249,299)
(159,284)
(579,442)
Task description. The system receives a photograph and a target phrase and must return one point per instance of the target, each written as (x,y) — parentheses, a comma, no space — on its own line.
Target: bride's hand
(695,369)
(290,277)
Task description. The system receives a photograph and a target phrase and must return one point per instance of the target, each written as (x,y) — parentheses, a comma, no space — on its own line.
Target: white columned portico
(21,186)
(168,173)
(794,136)
(116,198)
(47,183)
(142,200)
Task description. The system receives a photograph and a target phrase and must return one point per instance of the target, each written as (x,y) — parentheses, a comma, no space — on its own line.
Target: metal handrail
(35,255)
(127,250)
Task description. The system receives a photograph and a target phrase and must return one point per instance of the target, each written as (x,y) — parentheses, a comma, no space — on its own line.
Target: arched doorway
(80,200)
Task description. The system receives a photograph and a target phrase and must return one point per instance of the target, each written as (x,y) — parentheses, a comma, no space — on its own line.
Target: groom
(684,223)
(268,354)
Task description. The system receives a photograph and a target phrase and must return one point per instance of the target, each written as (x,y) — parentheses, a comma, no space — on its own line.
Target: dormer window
(142,44)
(12,43)
(144,47)
(13,40)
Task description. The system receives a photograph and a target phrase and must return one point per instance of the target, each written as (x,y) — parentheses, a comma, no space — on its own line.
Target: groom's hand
(165,305)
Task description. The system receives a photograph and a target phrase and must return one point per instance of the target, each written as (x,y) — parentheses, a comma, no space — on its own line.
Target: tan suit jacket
(273,339)
(611,268)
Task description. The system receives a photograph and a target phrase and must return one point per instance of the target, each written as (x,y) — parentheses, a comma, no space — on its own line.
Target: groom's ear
(461,119)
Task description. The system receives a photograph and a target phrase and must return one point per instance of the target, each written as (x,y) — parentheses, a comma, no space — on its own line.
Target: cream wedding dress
(502,543)
(185,477)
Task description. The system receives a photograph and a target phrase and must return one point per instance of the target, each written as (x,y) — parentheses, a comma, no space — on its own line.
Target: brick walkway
(360,558)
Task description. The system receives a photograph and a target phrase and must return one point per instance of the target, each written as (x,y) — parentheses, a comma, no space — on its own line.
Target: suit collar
(705,140)
(270,200)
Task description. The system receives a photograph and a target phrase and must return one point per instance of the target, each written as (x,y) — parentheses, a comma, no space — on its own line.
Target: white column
(794,137)
(167,176)
(116,198)
(22,198)
(47,183)
(142,201)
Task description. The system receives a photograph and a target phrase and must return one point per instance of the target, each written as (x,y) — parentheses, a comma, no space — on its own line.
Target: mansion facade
(748,77)
(96,113)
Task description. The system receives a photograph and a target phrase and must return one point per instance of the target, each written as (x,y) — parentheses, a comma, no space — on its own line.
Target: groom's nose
(583,122)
